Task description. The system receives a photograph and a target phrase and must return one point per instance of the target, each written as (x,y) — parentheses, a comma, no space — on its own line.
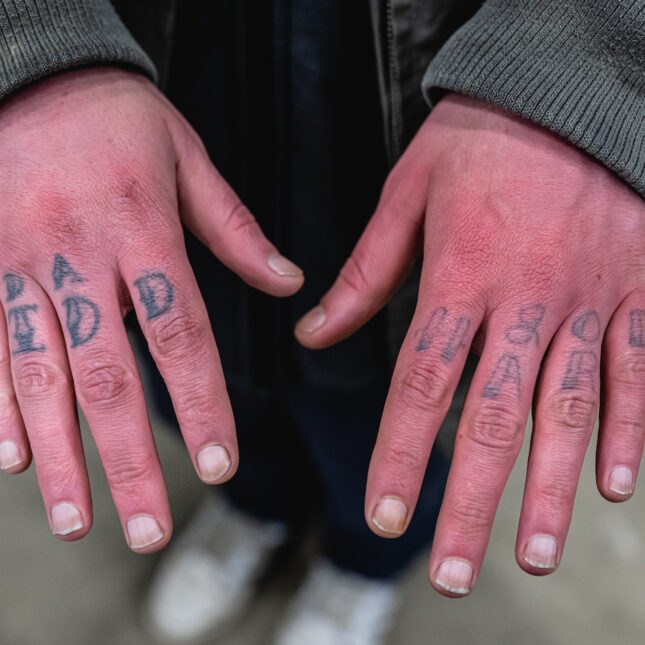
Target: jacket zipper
(394,106)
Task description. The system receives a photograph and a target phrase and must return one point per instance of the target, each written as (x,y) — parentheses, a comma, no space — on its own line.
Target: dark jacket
(575,66)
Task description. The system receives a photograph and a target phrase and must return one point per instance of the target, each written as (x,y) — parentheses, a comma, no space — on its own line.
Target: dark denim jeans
(285,97)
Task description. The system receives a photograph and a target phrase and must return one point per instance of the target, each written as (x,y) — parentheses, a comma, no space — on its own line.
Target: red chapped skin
(534,256)
(96,168)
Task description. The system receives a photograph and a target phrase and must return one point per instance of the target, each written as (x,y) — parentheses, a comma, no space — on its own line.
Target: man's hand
(534,255)
(94,167)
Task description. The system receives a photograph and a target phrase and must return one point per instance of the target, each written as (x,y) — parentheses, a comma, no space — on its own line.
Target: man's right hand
(94,166)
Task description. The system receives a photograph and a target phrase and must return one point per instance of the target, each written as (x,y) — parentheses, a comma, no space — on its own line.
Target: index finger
(174,320)
(425,378)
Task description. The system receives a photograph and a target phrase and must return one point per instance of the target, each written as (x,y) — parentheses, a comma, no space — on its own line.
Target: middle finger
(109,391)
(488,441)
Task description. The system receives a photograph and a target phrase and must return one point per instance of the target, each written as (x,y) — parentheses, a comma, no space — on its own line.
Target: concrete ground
(90,592)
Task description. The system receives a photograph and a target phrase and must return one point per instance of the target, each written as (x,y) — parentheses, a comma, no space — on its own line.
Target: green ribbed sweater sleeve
(574,66)
(41,37)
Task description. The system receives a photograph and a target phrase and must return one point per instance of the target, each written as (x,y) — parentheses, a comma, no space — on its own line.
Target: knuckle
(628,369)
(628,434)
(63,228)
(8,405)
(5,357)
(50,208)
(196,407)
(241,219)
(353,274)
(104,381)
(553,495)
(574,411)
(472,517)
(470,245)
(402,185)
(129,473)
(494,427)
(58,470)
(402,459)
(129,191)
(178,334)
(37,378)
(423,386)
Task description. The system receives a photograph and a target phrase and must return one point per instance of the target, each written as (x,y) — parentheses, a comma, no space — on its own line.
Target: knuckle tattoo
(452,331)
(582,367)
(582,364)
(636,320)
(526,330)
(15,285)
(506,376)
(156,293)
(82,314)
(586,327)
(63,271)
(21,318)
(22,329)
(82,318)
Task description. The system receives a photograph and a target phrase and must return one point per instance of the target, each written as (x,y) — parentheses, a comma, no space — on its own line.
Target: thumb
(214,213)
(380,261)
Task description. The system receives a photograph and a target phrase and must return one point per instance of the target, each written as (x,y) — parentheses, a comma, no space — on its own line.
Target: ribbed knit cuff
(41,37)
(574,66)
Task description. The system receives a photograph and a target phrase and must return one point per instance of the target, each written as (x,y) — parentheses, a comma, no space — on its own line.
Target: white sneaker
(208,578)
(336,607)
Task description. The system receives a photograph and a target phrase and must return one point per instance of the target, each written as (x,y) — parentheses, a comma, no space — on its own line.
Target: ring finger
(43,385)
(565,412)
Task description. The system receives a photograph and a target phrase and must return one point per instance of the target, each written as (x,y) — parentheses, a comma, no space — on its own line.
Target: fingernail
(213,463)
(312,320)
(143,531)
(9,455)
(541,552)
(66,519)
(283,267)
(621,480)
(455,576)
(390,515)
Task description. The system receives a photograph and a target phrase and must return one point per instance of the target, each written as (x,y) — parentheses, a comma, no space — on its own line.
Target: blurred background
(91,591)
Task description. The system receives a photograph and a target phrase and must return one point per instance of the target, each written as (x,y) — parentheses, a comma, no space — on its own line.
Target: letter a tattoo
(63,271)
(506,371)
